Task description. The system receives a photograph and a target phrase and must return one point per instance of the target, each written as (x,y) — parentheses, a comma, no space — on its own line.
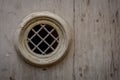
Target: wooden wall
(95,49)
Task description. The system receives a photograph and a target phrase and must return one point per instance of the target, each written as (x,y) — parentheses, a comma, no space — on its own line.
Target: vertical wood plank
(12,67)
(97,40)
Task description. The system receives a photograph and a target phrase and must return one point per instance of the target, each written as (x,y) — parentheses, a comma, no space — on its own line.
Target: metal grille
(43,39)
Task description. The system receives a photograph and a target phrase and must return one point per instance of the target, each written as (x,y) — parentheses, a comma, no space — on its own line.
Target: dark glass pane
(43,33)
(36,40)
(43,46)
(49,39)
(37,27)
(37,51)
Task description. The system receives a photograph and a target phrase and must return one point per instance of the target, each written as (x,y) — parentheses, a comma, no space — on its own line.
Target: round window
(43,38)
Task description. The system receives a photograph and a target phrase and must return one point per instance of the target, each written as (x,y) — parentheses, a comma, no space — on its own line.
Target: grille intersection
(43,39)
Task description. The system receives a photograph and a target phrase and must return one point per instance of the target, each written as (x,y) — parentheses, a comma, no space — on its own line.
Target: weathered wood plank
(12,67)
(97,46)
(97,40)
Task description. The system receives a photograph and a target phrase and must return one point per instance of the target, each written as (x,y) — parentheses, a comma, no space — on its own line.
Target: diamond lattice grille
(43,39)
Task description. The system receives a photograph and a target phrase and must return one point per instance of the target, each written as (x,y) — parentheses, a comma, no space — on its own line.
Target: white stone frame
(63,29)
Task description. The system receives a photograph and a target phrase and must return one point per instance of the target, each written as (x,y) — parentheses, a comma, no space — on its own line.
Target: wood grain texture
(12,67)
(95,51)
(97,40)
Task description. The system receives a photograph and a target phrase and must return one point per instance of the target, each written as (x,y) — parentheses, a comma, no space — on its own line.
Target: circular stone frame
(61,26)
